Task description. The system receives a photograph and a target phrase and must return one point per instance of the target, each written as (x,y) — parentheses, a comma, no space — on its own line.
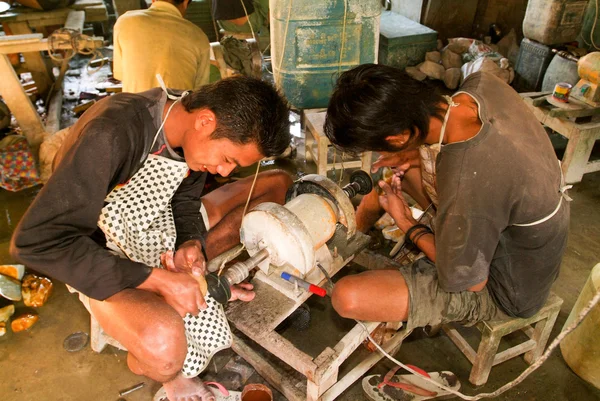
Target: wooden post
(33,60)
(19,104)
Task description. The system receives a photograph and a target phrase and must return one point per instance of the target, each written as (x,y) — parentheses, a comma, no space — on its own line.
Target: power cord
(584,312)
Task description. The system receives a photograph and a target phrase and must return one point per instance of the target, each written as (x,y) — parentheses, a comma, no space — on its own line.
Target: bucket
(581,348)
(313,41)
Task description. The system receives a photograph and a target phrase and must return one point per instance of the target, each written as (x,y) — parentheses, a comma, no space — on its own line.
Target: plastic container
(581,348)
(560,70)
(553,21)
(533,61)
(403,42)
(307,37)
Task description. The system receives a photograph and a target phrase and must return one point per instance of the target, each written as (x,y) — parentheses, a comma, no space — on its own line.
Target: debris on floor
(23,321)
(35,290)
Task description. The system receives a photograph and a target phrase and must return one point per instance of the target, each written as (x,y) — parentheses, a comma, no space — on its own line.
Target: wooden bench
(579,124)
(316,136)
(492,332)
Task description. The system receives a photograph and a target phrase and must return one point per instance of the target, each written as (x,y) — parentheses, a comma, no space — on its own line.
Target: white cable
(251,189)
(249,23)
(287,24)
(584,312)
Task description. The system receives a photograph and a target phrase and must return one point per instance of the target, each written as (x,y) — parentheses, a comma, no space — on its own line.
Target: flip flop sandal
(409,387)
(220,393)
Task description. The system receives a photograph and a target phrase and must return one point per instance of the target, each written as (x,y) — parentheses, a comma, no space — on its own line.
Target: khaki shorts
(432,306)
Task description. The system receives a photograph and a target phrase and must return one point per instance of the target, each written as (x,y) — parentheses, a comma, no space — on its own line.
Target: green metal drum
(313,41)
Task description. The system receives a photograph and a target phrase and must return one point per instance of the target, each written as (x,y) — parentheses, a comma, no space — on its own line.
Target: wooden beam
(34,60)
(277,378)
(75,20)
(54,111)
(19,104)
(31,45)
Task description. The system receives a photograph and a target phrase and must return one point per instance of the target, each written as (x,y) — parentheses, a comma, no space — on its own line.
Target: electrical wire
(287,24)
(584,312)
(251,188)
(557,340)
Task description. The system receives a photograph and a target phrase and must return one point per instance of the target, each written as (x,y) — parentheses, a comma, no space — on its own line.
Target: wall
(507,14)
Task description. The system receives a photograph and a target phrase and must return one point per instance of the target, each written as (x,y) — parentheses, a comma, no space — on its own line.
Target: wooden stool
(493,331)
(314,133)
(581,126)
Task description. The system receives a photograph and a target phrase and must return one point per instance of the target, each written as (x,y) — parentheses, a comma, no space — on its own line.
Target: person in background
(238,16)
(160,41)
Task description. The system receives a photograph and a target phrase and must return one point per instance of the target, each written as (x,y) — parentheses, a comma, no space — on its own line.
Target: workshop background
(47,80)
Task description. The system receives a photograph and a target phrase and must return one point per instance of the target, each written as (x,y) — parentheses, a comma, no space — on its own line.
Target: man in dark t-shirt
(117,141)
(502,213)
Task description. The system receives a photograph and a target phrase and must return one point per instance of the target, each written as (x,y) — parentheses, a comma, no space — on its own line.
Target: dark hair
(247,110)
(371,102)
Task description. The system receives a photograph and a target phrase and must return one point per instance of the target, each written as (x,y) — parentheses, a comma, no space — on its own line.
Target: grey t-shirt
(507,174)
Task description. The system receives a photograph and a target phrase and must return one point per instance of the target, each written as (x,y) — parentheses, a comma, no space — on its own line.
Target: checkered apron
(138,223)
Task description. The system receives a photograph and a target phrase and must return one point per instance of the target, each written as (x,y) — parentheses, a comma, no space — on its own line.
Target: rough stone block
(451,59)
(433,70)
(433,56)
(415,73)
(452,78)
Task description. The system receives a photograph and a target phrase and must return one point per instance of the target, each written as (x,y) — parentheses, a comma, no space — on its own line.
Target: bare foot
(184,389)
(243,292)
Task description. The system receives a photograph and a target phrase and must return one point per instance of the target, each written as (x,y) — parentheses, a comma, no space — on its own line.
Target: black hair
(247,110)
(372,102)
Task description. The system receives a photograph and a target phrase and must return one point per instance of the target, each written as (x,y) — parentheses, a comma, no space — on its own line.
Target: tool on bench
(289,236)
(315,289)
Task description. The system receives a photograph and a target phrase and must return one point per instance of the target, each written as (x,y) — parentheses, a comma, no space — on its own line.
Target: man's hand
(399,161)
(393,202)
(180,290)
(187,259)
(243,292)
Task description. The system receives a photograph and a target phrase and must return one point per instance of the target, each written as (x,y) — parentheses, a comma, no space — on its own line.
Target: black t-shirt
(507,174)
(223,10)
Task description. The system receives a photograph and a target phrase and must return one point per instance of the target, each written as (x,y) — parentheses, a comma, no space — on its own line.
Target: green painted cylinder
(313,41)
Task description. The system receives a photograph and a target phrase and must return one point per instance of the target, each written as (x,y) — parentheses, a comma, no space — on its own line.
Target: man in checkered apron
(125,198)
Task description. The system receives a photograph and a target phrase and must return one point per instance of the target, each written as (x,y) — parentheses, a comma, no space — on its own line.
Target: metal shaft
(239,271)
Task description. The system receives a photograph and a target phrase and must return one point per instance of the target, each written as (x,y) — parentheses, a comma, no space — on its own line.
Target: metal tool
(131,389)
(314,289)
(290,235)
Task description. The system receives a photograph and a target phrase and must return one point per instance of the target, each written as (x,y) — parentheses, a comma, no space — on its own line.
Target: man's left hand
(393,202)
(243,292)
(187,259)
